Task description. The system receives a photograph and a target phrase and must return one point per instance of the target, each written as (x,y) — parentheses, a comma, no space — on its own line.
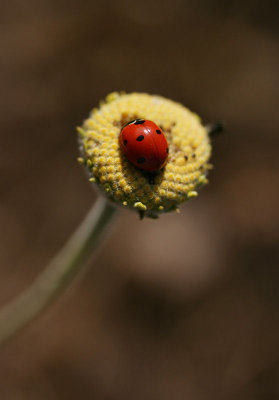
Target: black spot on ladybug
(158,131)
(139,121)
(125,142)
(141,160)
(140,138)
(186,158)
(167,150)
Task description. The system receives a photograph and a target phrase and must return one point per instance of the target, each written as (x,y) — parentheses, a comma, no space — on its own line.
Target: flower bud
(125,184)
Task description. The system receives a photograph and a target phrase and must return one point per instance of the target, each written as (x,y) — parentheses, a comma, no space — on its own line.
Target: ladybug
(144,144)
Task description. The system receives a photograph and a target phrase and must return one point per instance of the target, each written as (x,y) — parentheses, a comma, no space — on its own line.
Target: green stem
(59,273)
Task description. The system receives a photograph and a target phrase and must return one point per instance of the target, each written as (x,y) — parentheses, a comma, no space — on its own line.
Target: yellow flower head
(125,184)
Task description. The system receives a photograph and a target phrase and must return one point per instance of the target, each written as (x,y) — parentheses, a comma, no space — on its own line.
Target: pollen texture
(148,193)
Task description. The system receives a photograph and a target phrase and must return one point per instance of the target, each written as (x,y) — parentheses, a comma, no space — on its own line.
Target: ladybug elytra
(144,144)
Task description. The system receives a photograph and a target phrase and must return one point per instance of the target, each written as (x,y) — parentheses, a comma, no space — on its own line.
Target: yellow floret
(149,193)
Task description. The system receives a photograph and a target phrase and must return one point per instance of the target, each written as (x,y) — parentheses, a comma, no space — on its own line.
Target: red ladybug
(144,144)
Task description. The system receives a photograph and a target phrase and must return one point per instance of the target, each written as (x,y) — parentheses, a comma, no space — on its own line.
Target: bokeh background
(185,307)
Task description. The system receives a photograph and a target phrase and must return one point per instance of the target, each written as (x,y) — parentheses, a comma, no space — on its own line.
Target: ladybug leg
(214,129)
(150,176)
(151,179)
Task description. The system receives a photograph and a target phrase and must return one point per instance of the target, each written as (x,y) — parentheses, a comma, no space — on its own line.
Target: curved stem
(59,273)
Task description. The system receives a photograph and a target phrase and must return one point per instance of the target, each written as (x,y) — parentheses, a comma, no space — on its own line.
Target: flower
(125,184)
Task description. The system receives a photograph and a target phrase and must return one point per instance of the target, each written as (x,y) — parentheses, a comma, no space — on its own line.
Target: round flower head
(124,183)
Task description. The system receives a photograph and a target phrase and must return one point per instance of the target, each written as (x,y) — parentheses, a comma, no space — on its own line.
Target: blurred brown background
(185,307)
